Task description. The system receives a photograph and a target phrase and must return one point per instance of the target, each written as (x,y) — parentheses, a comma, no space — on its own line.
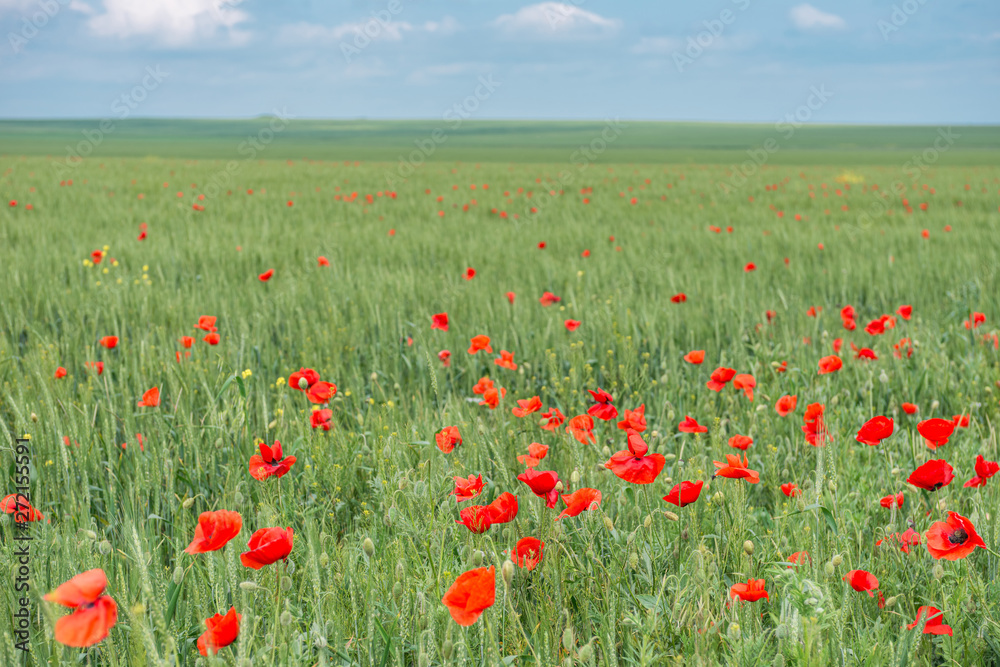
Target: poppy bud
(647,522)
(286,583)
(238,498)
(748,548)
(34,417)
(324,560)
(671,516)
(104,547)
(606,451)
(585,653)
(272,424)
(188,502)
(178,575)
(402,483)
(828,568)
(938,571)
(374,377)
(303,383)
(249,585)
(89,534)
(608,523)
(369,547)
(560,487)
(446,649)
(718,498)
(633,560)
(935,405)
(883,378)
(670,457)
(400,570)
(837,560)
(422,659)
(568,639)
(832,485)
(507,571)
(477,558)
(654,434)
(397,591)
(285,618)
(896,471)
(890,602)
(575,478)
(779,660)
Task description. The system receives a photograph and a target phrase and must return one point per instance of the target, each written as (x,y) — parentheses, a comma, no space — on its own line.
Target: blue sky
(912,61)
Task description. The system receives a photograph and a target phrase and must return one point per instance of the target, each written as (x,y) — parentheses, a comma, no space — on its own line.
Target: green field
(832,217)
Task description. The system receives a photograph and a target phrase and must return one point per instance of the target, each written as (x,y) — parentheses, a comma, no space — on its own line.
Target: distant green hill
(497,141)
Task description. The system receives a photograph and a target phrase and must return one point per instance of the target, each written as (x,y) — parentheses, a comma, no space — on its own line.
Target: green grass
(635,587)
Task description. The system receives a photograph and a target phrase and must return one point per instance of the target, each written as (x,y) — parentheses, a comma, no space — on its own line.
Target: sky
(850,61)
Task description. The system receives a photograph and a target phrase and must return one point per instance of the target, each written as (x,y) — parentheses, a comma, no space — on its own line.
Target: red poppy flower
(477,518)
(791,490)
(890,500)
(295,380)
(270,462)
(905,540)
(862,581)
(785,405)
(510,297)
(813,426)
(482,385)
(875,431)
(552,419)
(492,396)
(679,298)
(695,357)
(222,631)
(684,493)
(212,339)
(799,557)
(751,591)
(109,342)
(264,277)
(536,452)
(581,427)
(548,298)
(467,489)
(97,256)
(206,323)
(150,399)
(321,392)
(953,539)
(936,431)
(480,342)
(503,509)
(447,438)
(734,468)
(321,419)
(445,357)
(961,421)
(830,364)
(95,613)
(635,466)
(905,312)
(542,484)
(813,311)
(838,343)
(932,475)
(323,261)
(526,406)
(96,365)
(875,327)
(527,553)
(506,360)
(440,321)
(745,382)
(60,372)
(187,342)
(984,470)
(741,442)
(469,274)
(214,531)
(910,408)
(690,425)
(603,409)
(268,545)
(933,621)
(720,376)
(18,505)
(750,266)
(572,325)
(973,322)
(634,419)
(865,353)
(472,593)
(579,502)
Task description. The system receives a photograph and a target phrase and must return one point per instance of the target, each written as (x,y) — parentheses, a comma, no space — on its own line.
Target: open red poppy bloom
(109,342)
(581,427)
(984,470)
(572,325)
(321,392)
(579,502)
(214,531)
(791,489)
(690,425)
(187,342)
(679,298)
(890,500)
(97,256)
(510,297)
(936,431)
(906,539)
(322,261)
(720,376)
(472,593)
(934,621)
(865,353)
(953,539)
(972,323)
(750,266)
(206,323)
(813,426)
(798,557)
(905,312)
(270,462)
(492,396)
(506,360)
(264,277)
(542,484)
(440,321)
(321,419)
(150,399)
(477,518)
(548,298)
(961,421)
(467,489)
(212,339)
(684,493)
(875,430)
(302,379)
(635,466)
(875,327)
(480,342)
(695,357)
(268,545)
(862,581)
(830,364)
(932,475)
(222,631)
(536,452)
(94,613)
(18,505)
(735,468)
(745,382)
(447,438)
(751,591)
(481,386)
(503,509)
(785,405)
(603,409)
(910,408)
(552,419)
(527,553)
(526,406)
(96,366)
(445,357)
(60,373)
(634,419)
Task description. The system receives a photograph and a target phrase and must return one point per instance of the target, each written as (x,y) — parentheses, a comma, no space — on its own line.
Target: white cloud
(372,30)
(806,17)
(169,22)
(555,20)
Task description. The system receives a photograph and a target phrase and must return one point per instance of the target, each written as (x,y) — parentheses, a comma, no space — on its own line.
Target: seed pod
(178,575)
(369,547)
(748,548)
(829,569)
(303,383)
